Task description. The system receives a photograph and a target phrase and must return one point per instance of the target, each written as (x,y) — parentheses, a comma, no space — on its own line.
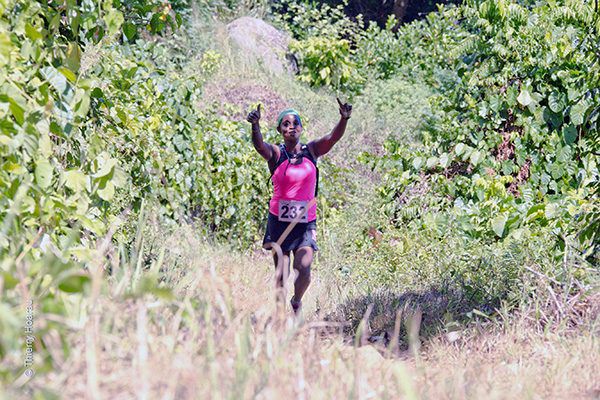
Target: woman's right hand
(254,116)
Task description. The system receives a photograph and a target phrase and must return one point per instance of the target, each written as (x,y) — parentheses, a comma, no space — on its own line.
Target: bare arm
(323,145)
(263,148)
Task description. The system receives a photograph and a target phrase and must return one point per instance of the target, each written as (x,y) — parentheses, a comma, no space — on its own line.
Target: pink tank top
(294,182)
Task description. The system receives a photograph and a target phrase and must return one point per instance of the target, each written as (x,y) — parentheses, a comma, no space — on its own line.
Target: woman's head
(289,124)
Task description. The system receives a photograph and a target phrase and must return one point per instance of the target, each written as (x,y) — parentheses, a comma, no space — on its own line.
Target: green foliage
(396,107)
(304,20)
(326,62)
(474,273)
(510,137)
(379,54)
(374,53)
(187,161)
(323,43)
(92,127)
(230,9)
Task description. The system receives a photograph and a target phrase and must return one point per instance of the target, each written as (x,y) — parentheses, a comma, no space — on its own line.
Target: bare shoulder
(312,149)
(276,153)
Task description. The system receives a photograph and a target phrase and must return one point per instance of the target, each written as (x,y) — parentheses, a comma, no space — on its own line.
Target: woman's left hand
(345,109)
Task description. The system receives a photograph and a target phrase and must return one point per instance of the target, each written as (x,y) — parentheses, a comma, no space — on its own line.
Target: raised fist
(345,109)
(254,116)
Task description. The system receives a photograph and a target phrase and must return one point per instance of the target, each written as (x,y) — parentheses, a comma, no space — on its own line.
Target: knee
(304,274)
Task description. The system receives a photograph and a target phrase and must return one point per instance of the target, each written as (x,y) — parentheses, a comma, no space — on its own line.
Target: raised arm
(322,146)
(264,149)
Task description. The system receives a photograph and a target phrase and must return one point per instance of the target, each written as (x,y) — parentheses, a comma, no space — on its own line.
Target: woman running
(292,220)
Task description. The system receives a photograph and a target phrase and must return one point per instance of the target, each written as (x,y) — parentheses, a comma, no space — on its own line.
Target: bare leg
(303,258)
(281,274)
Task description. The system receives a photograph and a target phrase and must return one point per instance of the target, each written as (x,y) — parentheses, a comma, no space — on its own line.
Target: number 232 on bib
(292,210)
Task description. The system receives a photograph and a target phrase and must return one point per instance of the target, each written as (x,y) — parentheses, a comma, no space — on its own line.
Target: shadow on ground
(406,316)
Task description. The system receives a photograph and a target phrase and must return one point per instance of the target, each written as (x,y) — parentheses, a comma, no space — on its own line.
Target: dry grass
(220,337)
(513,364)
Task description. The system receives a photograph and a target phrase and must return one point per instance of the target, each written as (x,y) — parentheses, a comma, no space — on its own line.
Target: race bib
(292,210)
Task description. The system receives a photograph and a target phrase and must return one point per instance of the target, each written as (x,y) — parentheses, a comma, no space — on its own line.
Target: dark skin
(291,129)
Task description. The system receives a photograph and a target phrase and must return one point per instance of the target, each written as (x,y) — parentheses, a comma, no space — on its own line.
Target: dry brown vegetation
(220,337)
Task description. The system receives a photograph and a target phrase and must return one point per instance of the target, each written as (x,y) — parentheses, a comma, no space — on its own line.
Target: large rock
(260,40)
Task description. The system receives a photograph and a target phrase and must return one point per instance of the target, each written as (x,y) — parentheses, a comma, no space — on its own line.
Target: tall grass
(206,326)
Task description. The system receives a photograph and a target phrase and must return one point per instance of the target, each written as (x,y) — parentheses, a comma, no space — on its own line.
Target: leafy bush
(57,181)
(93,129)
(373,53)
(326,62)
(513,126)
(477,274)
(304,20)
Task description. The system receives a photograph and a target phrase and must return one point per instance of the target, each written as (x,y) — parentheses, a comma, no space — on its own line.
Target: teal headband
(286,112)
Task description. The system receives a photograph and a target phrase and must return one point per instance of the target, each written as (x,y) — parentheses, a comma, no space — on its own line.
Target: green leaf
(552,118)
(578,113)
(498,224)
(495,103)
(6,47)
(324,72)
(83,107)
(417,163)
(476,157)
(17,111)
(536,211)
(73,59)
(93,225)
(14,168)
(551,211)
(459,149)
(74,283)
(45,145)
(113,19)
(106,167)
(56,129)
(573,93)
(43,173)
(431,162)
(32,33)
(108,192)
(75,22)
(129,30)
(556,102)
(524,98)
(76,180)
(96,33)
(156,24)
(68,74)
(9,280)
(97,93)
(5,140)
(445,160)
(569,134)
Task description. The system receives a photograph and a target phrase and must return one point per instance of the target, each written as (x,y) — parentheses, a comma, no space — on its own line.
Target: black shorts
(300,236)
